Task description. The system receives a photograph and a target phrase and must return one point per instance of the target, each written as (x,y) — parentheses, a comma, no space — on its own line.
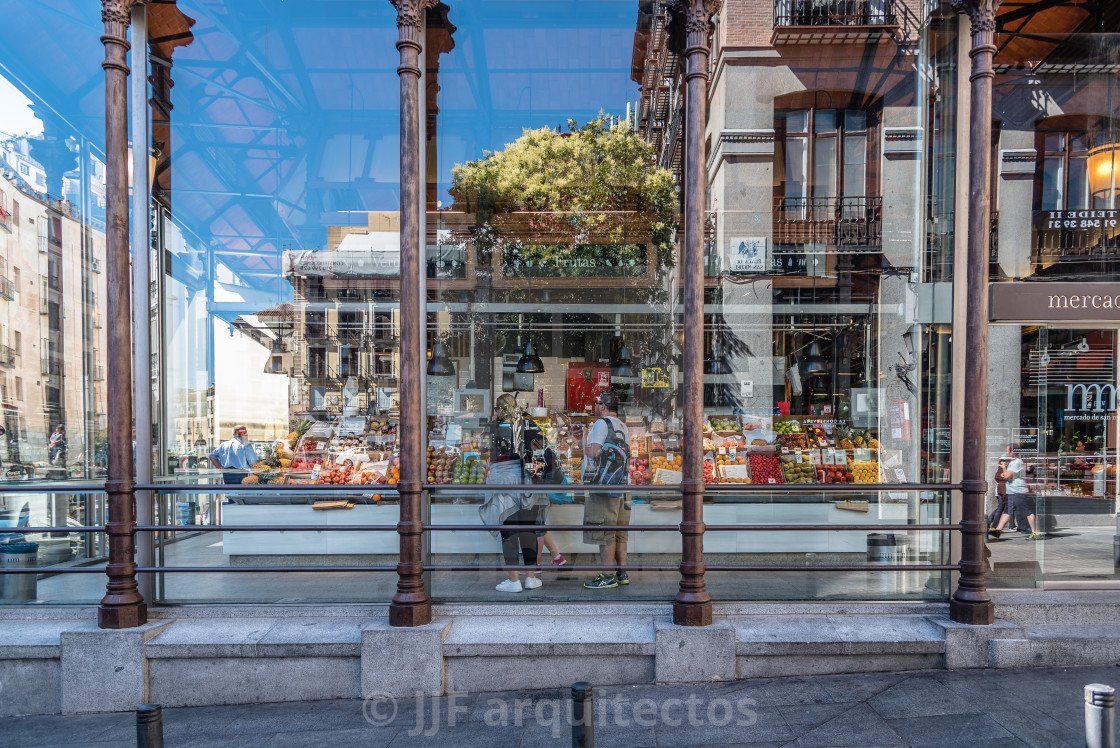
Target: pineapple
(844,437)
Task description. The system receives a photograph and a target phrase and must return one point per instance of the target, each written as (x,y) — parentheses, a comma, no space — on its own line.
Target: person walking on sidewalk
(1021,503)
(606,460)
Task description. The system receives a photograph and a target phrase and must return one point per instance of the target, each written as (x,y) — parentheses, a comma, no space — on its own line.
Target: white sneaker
(508,586)
(531,583)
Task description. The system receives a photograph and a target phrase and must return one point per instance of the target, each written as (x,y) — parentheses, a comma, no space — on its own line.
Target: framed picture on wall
(471,402)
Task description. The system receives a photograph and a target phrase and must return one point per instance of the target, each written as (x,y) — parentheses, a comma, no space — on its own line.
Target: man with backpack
(606,460)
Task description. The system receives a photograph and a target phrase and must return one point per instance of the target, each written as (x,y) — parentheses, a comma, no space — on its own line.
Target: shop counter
(482,542)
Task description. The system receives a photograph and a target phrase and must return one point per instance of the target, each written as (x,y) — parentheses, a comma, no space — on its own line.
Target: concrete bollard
(1100,716)
(583,716)
(149,726)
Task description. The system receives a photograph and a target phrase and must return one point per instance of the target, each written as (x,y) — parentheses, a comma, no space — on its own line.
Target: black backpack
(613,465)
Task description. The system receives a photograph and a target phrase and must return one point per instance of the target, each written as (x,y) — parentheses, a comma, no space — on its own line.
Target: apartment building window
(16,283)
(17,341)
(824,158)
(1063,174)
(19,388)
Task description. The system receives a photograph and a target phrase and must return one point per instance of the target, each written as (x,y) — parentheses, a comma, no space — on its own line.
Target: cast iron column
(411,606)
(692,606)
(123,606)
(971,602)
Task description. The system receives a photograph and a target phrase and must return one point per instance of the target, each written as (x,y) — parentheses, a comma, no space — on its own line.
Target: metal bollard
(583,716)
(149,726)
(1100,716)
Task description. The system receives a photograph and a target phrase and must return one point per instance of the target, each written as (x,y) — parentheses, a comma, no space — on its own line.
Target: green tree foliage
(592,193)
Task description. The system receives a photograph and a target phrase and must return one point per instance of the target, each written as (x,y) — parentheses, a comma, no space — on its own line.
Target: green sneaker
(623,577)
(1035,536)
(602,582)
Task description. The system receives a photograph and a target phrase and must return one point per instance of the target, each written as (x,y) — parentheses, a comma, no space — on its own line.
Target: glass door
(1059,526)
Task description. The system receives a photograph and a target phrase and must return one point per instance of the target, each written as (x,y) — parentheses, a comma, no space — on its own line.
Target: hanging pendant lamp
(814,363)
(530,362)
(623,367)
(440,364)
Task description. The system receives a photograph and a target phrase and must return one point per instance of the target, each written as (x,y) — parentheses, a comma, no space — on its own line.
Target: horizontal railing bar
(348,488)
(269,528)
(471,528)
(753,528)
(363,488)
(852,567)
(712,488)
(565,567)
(57,488)
(10,530)
(548,528)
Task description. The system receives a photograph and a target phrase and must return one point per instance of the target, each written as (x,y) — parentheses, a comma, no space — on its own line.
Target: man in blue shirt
(234,457)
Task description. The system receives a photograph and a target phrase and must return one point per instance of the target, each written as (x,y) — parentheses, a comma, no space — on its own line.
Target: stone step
(1057,607)
(196,662)
(1058,646)
(813,645)
(497,653)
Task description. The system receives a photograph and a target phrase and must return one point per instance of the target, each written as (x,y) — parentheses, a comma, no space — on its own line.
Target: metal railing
(835,13)
(350,490)
(837,221)
(7,356)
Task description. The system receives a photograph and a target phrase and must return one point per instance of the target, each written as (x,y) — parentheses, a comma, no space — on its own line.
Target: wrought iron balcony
(830,221)
(7,288)
(832,21)
(7,356)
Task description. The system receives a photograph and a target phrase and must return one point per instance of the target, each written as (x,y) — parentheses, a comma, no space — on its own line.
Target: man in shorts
(605,508)
(1021,502)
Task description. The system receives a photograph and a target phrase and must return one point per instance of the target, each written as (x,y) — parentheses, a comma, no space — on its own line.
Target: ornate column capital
(982,13)
(691,26)
(117,14)
(410,19)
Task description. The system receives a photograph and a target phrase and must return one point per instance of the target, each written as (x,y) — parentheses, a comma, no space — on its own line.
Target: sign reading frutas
(748,255)
(1048,301)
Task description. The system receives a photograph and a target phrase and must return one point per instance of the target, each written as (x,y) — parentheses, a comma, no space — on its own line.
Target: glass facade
(1052,406)
(553,166)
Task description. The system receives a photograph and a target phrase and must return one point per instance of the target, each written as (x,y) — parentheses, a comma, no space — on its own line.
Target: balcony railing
(7,288)
(835,13)
(835,221)
(50,365)
(7,356)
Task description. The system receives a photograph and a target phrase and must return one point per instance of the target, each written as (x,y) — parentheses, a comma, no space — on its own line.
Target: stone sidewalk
(1037,707)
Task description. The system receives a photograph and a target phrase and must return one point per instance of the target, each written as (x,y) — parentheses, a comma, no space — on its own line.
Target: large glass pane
(276,139)
(553,176)
(53,398)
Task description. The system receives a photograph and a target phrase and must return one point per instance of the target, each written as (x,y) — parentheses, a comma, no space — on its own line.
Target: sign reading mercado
(1047,301)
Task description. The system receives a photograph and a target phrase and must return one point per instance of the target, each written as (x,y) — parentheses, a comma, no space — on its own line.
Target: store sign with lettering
(1075,220)
(656,377)
(1090,398)
(1048,301)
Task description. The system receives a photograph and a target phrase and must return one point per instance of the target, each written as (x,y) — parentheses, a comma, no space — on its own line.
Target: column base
(410,615)
(692,614)
(972,612)
(122,616)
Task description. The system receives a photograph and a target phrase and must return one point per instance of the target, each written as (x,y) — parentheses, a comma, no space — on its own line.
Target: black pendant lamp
(440,364)
(814,364)
(623,367)
(530,362)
